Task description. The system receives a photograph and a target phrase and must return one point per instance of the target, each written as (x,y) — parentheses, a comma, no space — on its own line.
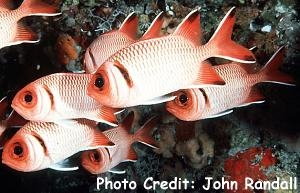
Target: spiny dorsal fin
(155,28)
(190,27)
(130,25)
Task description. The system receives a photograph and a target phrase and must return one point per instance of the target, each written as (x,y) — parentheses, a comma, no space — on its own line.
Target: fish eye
(99,82)
(183,98)
(95,156)
(18,150)
(28,98)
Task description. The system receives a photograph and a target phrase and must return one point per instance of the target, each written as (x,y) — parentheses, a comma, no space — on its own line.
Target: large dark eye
(183,98)
(95,156)
(99,82)
(28,98)
(18,150)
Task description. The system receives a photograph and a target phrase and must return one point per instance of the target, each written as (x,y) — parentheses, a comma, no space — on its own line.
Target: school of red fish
(59,112)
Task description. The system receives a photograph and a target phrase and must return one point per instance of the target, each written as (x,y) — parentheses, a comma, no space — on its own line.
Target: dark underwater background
(274,124)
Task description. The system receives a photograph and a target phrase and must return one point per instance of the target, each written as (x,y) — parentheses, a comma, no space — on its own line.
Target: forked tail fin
(224,47)
(271,70)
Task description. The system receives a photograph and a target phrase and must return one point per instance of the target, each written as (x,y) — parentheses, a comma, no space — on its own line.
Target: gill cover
(110,85)
(23,153)
(33,102)
(187,104)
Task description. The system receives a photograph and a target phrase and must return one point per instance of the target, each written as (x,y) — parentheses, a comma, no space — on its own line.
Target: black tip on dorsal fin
(130,25)
(190,27)
(155,28)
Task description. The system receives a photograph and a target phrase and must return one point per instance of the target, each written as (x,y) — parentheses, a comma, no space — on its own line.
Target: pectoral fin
(158,100)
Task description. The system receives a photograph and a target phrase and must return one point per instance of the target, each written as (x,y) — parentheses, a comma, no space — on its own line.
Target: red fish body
(39,145)
(12,31)
(61,96)
(196,104)
(109,43)
(103,159)
(146,71)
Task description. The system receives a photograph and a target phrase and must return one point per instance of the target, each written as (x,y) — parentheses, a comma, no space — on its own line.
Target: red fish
(61,96)
(40,145)
(196,104)
(102,159)
(12,31)
(109,43)
(146,71)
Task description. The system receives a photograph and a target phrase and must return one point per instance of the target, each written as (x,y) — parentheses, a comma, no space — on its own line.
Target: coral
(252,163)
(66,49)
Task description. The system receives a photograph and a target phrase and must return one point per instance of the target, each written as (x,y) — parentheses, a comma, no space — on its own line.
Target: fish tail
(144,134)
(38,7)
(271,71)
(222,45)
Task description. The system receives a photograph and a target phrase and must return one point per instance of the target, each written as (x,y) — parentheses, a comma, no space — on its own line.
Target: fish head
(110,85)
(187,104)
(33,102)
(23,153)
(96,161)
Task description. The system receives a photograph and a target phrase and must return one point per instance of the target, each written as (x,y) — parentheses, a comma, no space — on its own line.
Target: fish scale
(239,90)
(64,97)
(58,141)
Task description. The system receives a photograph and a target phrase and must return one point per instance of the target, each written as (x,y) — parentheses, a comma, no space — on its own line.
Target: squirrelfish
(12,31)
(103,159)
(61,96)
(40,145)
(196,104)
(146,71)
(109,43)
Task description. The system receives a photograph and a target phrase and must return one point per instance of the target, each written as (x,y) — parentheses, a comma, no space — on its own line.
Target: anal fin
(64,166)
(254,97)
(220,114)
(131,156)
(24,35)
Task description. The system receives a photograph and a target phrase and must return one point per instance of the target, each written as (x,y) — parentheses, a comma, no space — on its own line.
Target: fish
(61,96)
(13,32)
(41,145)
(106,159)
(8,119)
(147,71)
(109,43)
(239,91)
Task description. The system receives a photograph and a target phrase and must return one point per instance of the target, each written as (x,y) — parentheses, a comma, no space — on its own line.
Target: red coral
(250,163)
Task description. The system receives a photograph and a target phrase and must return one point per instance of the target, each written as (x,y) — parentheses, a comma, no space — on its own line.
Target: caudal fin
(144,134)
(224,47)
(38,7)
(271,70)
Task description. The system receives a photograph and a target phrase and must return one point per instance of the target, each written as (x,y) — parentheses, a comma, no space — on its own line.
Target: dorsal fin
(128,121)
(190,27)
(130,25)
(155,28)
